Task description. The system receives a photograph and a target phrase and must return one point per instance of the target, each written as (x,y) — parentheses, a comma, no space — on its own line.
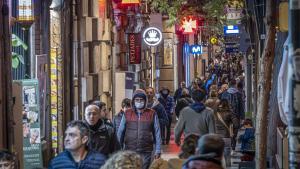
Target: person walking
(103,137)
(160,111)
(234,97)
(185,100)
(103,112)
(126,104)
(168,102)
(213,100)
(139,129)
(178,92)
(77,154)
(209,153)
(225,123)
(195,119)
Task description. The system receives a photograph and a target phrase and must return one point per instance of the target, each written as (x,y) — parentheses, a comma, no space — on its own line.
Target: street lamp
(25,13)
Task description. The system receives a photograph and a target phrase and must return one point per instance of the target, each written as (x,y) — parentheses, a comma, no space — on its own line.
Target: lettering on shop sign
(134,40)
(196,49)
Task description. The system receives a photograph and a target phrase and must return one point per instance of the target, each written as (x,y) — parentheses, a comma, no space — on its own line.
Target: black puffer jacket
(103,138)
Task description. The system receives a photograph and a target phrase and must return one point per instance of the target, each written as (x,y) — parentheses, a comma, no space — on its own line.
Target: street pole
(5,77)
(294,84)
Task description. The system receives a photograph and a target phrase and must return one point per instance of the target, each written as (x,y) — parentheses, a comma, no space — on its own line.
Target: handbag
(230,128)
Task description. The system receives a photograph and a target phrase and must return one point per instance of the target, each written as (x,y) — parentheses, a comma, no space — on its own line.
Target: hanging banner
(134,40)
(32,149)
(54,99)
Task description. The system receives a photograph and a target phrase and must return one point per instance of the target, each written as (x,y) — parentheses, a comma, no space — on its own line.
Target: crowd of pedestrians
(209,113)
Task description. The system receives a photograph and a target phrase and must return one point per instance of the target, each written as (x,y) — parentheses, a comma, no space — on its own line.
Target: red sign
(189,25)
(134,40)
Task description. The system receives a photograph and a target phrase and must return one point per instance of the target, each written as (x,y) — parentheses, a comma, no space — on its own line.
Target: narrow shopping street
(149,84)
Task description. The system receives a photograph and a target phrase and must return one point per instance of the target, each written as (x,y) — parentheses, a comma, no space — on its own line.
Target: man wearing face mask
(168,102)
(139,129)
(154,104)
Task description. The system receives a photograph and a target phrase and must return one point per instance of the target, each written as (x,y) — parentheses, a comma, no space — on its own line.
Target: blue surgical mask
(139,105)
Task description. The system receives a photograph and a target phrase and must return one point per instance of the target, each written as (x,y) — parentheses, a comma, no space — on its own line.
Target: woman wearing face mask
(139,129)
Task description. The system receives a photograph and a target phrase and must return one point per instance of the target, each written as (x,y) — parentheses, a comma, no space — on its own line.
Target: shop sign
(196,49)
(32,151)
(231,47)
(128,2)
(152,36)
(231,29)
(134,40)
(189,25)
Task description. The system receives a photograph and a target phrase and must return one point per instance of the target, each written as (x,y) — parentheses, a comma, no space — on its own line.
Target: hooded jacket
(195,119)
(235,99)
(140,130)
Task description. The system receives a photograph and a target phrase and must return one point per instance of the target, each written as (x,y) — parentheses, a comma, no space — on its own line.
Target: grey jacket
(192,122)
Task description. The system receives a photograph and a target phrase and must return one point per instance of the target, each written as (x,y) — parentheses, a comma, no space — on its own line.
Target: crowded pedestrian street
(149,84)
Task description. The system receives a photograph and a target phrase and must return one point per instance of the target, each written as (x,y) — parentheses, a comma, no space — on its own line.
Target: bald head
(92,114)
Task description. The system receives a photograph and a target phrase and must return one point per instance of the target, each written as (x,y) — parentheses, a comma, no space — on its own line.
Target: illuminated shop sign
(128,2)
(196,49)
(152,36)
(231,29)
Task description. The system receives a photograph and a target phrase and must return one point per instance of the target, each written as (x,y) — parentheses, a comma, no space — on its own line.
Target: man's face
(92,114)
(6,164)
(103,112)
(150,94)
(73,139)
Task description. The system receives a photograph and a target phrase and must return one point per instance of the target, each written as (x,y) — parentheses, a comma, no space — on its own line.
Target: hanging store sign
(189,25)
(196,49)
(134,40)
(231,29)
(152,36)
(25,14)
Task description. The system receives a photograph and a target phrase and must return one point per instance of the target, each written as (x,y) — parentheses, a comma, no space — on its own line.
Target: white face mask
(139,105)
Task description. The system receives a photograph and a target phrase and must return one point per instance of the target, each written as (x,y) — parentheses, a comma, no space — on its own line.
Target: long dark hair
(224,104)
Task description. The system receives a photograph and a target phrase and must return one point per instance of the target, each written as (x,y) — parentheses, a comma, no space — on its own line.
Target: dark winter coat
(235,99)
(64,160)
(177,94)
(103,138)
(228,118)
(182,103)
(160,111)
(168,103)
(117,120)
(202,162)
